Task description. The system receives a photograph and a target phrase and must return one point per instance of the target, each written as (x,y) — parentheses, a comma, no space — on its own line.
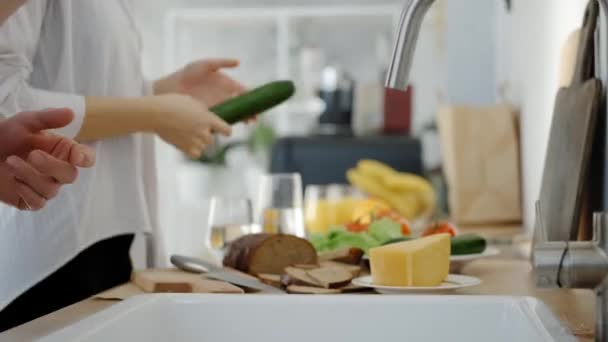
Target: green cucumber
(468,244)
(254,102)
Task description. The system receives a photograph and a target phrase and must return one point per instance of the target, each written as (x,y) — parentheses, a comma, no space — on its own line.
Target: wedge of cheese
(421,262)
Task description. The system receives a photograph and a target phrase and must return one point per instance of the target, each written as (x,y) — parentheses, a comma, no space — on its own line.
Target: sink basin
(353,318)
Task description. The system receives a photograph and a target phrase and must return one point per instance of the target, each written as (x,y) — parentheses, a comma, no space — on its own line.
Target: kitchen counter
(504,275)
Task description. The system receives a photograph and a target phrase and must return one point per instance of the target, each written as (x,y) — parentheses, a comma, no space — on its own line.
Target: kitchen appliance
(337,91)
(398,110)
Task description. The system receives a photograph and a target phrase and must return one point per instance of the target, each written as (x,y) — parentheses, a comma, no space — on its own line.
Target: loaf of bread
(269,253)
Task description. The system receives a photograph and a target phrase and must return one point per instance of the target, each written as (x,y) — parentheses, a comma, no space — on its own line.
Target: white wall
(471,51)
(529,45)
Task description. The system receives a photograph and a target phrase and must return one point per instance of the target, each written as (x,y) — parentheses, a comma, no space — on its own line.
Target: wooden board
(570,141)
(171,280)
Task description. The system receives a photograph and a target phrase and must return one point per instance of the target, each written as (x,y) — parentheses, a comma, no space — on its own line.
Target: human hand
(24,133)
(204,81)
(40,162)
(187,124)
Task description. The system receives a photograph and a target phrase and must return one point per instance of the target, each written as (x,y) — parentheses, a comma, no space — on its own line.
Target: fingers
(41,184)
(200,144)
(46,119)
(29,199)
(239,88)
(64,149)
(207,138)
(61,171)
(219,63)
(82,156)
(220,126)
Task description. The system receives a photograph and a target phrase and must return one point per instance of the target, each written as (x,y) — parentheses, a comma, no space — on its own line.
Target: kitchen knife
(195,265)
(243,280)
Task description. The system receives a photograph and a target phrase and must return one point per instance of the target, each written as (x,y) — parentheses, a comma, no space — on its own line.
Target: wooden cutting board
(571,139)
(172,280)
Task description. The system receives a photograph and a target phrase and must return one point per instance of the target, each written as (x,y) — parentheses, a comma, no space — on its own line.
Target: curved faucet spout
(407,37)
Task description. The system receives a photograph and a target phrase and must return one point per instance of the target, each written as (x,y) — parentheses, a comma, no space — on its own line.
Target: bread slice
(298,289)
(354,270)
(271,279)
(269,254)
(331,277)
(351,256)
(298,276)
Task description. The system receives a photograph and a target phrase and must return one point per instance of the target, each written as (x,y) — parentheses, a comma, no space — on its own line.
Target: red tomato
(356,227)
(439,228)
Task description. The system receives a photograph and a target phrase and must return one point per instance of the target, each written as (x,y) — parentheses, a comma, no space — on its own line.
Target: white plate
(453,282)
(489,252)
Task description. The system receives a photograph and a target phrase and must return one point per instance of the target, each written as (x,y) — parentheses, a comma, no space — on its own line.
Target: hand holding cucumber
(185,123)
(228,99)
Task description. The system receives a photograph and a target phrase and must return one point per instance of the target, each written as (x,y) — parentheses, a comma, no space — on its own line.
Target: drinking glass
(329,205)
(228,220)
(280,201)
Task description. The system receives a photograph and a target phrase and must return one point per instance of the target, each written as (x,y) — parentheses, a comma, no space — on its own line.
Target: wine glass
(280,203)
(228,220)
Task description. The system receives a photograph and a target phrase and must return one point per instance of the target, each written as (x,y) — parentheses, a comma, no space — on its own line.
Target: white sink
(352,318)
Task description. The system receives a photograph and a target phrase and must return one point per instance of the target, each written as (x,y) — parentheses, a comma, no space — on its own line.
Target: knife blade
(243,280)
(195,265)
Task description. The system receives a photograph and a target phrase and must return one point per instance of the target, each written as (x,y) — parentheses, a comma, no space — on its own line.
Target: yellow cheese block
(421,262)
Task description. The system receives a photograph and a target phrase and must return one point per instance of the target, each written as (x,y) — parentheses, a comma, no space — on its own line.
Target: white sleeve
(19,37)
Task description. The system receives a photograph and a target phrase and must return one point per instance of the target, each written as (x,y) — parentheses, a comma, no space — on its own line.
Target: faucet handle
(600,227)
(546,255)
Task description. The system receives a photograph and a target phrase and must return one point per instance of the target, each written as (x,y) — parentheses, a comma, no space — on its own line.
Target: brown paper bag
(480,148)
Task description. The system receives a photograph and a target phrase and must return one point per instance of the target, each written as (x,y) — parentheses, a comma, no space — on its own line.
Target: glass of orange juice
(326,206)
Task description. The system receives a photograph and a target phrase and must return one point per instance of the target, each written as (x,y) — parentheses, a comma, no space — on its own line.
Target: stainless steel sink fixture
(558,261)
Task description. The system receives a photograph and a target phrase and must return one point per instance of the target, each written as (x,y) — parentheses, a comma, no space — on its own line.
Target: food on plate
(271,279)
(468,244)
(298,276)
(306,266)
(367,209)
(254,102)
(464,244)
(372,235)
(362,223)
(331,277)
(269,253)
(306,279)
(397,240)
(339,238)
(299,289)
(410,195)
(349,255)
(423,262)
(354,270)
(440,227)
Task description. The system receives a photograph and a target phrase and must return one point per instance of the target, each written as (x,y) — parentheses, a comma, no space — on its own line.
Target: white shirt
(52,53)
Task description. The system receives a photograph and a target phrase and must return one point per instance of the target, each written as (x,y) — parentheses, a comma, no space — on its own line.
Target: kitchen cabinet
(325,159)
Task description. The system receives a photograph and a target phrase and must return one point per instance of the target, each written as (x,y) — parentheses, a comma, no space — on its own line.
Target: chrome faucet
(565,264)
